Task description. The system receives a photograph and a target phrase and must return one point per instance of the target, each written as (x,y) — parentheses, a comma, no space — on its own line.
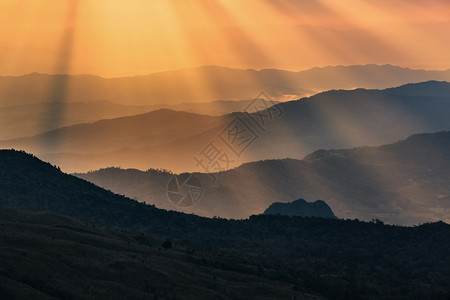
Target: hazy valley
(172,140)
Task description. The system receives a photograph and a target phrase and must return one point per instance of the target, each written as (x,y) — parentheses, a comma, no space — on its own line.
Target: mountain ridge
(203,84)
(330,120)
(235,68)
(27,120)
(401,183)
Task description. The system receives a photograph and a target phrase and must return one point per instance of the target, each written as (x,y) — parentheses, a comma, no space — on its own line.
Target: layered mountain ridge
(329,120)
(401,183)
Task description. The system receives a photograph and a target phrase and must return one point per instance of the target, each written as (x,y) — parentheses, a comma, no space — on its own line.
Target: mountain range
(175,140)
(204,84)
(401,183)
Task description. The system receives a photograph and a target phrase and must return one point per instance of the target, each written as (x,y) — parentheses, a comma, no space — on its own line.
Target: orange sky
(118,38)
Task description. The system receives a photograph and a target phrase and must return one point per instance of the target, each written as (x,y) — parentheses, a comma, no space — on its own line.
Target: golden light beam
(58,90)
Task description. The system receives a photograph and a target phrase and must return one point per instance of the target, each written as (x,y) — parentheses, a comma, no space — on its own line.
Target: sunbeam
(224,149)
(59,88)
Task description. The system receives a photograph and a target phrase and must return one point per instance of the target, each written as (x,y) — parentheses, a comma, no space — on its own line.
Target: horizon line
(226,67)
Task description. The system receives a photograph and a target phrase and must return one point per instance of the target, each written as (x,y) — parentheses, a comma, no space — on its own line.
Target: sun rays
(127,38)
(116,38)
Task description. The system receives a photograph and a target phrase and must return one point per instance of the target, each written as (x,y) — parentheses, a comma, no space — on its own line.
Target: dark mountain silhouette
(142,251)
(301,208)
(402,183)
(171,140)
(422,89)
(30,184)
(206,84)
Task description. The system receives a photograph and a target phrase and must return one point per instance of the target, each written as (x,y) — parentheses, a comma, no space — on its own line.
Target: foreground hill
(171,140)
(263,257)
(402,183)
(48,256)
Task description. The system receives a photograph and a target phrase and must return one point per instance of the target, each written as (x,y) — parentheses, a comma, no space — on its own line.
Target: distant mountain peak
(301,208)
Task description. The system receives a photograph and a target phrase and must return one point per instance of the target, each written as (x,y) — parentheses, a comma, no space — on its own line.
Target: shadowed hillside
(402,183)
(263,257)
(47,256)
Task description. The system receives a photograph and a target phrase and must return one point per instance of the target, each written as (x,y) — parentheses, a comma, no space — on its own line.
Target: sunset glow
(224,149)
(117,38)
